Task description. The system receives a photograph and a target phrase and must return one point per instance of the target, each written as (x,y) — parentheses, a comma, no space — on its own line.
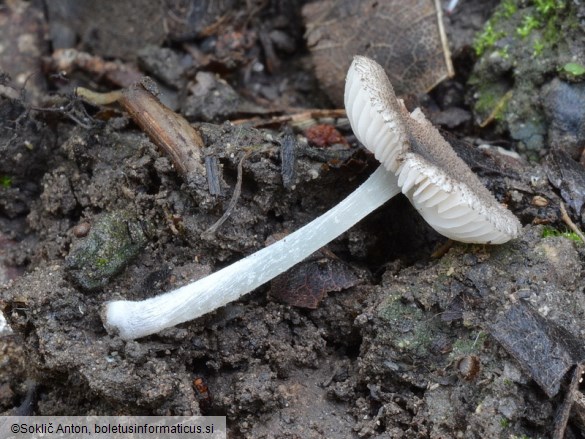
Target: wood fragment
(98,98)
(288,159)
(544,349)
(213,175)
(168,130)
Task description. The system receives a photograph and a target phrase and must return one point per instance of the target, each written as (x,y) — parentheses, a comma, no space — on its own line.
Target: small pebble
(81,229)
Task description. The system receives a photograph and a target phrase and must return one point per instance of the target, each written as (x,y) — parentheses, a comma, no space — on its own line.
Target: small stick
(169,131)
(567,220)
(295,118)
(96,98)
(233,200)
(500,105)
(120,74)
(562,416)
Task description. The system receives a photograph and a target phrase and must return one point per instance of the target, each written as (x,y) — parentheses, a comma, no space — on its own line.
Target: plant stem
(138,319)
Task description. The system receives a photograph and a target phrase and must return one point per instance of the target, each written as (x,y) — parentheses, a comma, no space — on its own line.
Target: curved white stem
(137,319)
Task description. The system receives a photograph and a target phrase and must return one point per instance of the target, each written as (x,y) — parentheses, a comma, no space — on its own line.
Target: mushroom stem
(138,319)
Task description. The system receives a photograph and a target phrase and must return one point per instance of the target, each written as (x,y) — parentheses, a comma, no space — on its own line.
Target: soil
(418,343)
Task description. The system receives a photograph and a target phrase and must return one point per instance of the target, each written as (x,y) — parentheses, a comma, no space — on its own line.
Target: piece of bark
(168,130)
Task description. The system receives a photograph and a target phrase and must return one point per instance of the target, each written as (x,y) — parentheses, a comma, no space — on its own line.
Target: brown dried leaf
(306,284)
(405,37)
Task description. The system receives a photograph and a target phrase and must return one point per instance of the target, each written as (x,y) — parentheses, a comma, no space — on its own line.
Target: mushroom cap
(440,185)
(374,112)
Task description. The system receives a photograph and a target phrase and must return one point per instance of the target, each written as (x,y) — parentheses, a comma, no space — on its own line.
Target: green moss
(504,423)
(491,32)
(545,16)
(549,231)
(5,181)
(550,14)
(538,47)
(529,23)
(101,262)
(487,38)
(548,7)
(486,102)
(504,52)
(508,8)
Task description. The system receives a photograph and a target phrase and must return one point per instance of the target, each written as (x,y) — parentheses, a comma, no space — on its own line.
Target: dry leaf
(405,37)
(307,283)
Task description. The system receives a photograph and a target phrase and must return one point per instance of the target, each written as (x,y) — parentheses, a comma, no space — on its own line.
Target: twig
(295,118)
(565,217)
(233,201)
(171,132)
(498,109)
(562,416)
(67,60)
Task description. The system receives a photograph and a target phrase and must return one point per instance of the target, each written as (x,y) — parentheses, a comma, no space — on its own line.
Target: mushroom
(440,185)
(416,160)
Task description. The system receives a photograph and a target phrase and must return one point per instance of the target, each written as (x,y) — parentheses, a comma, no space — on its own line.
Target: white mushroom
(416,159)
(448,195)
